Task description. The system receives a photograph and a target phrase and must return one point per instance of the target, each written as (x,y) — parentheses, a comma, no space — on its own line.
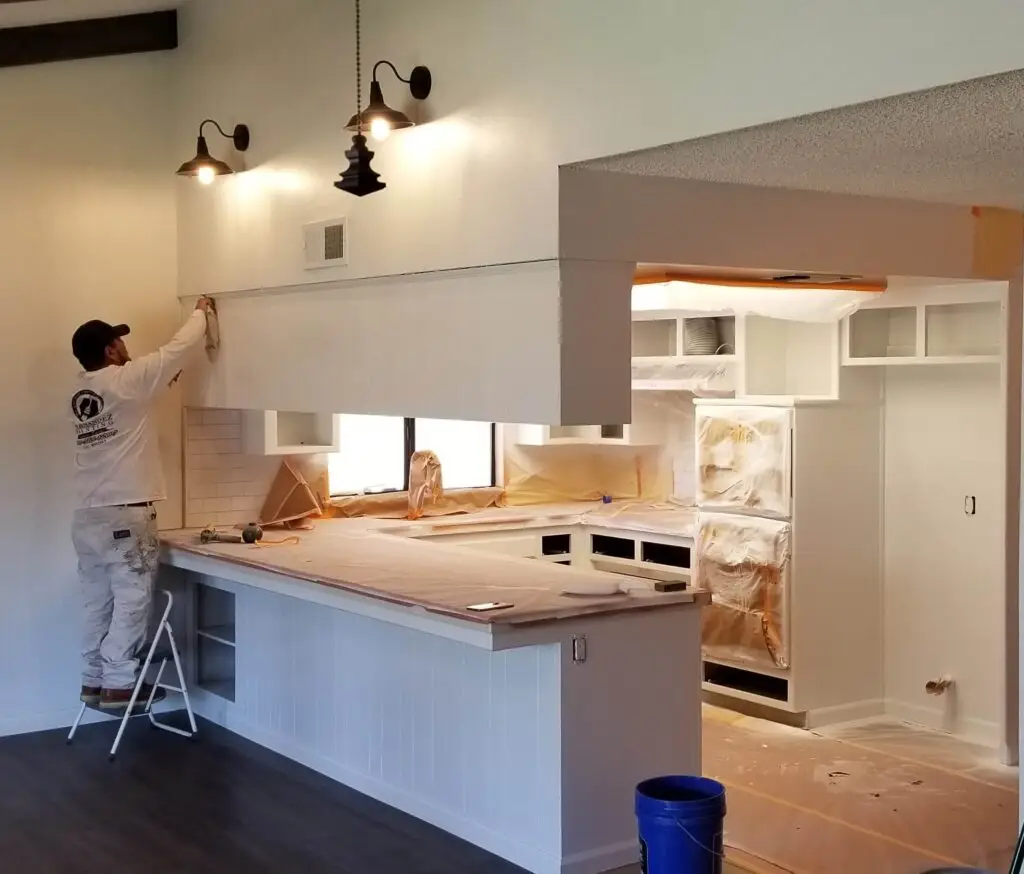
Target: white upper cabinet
(959,324)
(788,359)
(677,351)
(269,432)
(750,356)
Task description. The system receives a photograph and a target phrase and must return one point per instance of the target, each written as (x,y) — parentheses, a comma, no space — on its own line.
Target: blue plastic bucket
(681,822)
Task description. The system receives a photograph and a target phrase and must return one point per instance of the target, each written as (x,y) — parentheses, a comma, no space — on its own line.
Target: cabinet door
(743,459)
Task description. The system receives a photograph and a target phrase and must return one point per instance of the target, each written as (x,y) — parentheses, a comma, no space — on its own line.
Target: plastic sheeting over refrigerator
(743,532)
(744,562)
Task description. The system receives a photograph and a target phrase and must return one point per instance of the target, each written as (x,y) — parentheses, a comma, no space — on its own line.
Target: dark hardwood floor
(173,806)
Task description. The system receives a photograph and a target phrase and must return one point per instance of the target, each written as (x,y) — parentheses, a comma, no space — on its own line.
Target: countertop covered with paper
(394,561)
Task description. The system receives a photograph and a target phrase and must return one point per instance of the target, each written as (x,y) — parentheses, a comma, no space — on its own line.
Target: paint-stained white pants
(118,556)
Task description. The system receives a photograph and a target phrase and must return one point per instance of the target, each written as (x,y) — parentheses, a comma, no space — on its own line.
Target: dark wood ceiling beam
(91,38)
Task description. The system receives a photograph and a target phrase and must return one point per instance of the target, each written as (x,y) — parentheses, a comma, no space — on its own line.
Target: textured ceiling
(961,143)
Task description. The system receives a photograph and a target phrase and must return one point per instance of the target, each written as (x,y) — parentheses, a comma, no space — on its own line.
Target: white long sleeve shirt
(117,456)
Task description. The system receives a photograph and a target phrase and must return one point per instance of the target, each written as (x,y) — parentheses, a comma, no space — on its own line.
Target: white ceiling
(962,143)
(18,13)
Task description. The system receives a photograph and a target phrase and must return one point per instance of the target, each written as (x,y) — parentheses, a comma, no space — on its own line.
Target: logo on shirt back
(86,405)
(94,427)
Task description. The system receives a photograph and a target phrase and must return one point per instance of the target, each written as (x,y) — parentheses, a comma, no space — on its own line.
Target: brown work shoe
(90,695)
(117,699)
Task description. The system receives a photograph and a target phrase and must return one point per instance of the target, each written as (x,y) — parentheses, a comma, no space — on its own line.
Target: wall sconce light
(381,118)
(204,166)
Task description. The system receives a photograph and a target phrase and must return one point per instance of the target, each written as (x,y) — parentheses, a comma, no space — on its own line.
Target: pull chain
(359,77)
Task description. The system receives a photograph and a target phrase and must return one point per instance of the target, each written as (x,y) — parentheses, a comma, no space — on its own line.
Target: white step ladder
(130,713)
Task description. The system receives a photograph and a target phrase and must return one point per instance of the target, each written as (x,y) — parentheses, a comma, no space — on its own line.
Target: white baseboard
(982,732)
(845,713)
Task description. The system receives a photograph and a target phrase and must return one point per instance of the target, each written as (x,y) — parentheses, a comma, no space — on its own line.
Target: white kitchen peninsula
(524,730)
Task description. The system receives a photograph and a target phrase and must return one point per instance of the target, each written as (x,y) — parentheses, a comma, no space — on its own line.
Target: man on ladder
(118,478)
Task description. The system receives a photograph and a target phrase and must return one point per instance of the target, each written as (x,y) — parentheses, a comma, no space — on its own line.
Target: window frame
(409,447)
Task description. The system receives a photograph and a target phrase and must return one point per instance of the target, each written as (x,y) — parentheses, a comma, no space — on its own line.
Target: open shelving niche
(215,641)
(273,432)
(675,350)
(752,357)
(927,326)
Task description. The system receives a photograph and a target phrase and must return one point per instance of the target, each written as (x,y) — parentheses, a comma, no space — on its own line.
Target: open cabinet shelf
(570,435)
(215,641)
(957,330)
(655,338)
(963,331)
(272,432)
(750,356)
(789,359)
(683,336)
(882,333)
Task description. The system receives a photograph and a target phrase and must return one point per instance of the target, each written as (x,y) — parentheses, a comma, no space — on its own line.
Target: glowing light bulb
(206,175)
(380,128)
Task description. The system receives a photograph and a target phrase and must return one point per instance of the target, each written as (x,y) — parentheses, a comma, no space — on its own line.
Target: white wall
(944,571)
(87,230)
(668,419)
(520,88)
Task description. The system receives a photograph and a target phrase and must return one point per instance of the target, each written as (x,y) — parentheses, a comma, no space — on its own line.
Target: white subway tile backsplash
(200,447)
(222,417)
(223,485)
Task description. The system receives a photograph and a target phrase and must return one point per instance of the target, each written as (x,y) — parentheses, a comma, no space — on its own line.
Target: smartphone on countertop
(488,606)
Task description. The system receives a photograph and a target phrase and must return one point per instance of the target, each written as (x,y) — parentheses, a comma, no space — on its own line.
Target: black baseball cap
(91,340)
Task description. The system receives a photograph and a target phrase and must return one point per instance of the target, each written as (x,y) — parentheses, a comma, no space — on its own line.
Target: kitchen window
(375,453)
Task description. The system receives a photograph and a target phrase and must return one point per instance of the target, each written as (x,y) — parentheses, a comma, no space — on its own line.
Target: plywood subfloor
(882,797)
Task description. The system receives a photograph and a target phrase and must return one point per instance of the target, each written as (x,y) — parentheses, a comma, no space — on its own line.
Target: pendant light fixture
(381,118)
(359,178)
(204,166)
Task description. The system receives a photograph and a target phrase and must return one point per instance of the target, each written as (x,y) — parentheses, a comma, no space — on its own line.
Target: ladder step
(171,688)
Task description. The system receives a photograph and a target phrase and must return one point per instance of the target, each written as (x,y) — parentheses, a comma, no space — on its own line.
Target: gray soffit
(961,144)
